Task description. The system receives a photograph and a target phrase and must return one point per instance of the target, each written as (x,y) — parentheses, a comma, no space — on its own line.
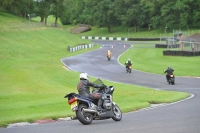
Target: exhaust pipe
(89,110)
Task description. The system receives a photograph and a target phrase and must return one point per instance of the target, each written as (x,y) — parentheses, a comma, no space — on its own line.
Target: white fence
(79,47)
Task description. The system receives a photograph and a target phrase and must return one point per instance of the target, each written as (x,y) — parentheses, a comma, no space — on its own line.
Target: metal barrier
(79,47)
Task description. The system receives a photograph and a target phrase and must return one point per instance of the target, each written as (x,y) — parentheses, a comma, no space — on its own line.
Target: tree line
(174,14)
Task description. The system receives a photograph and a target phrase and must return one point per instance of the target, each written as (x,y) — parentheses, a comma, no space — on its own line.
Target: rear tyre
(117,113)
(84,117)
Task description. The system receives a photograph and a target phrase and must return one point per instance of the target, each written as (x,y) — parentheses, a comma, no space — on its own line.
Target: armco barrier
(166,46)
(79,47)
(181,53)
(160,45)
(104,38)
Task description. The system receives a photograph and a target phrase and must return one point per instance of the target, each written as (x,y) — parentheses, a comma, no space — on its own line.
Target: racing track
(181,117)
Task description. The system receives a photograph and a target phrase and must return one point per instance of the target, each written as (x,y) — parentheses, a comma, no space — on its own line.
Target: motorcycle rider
(109,53)
(168,72)
(128,63)
(84,89)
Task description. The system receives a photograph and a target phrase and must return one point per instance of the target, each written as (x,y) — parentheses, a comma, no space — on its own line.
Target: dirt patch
(44,121)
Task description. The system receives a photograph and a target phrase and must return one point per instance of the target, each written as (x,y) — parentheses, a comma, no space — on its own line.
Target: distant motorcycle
(108,57)
(171,79)
(128,69)
(86,109)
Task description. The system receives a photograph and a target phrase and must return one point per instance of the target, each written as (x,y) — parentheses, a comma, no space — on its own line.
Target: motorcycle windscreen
(98,81)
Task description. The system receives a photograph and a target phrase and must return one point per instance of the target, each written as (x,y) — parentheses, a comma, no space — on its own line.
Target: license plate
(74,104)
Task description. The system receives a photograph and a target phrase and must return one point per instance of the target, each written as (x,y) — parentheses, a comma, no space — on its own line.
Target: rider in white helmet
(83,88)
(84,76)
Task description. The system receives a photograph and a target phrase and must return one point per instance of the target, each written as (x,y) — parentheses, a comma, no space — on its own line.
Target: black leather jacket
(83,88)
(169,71)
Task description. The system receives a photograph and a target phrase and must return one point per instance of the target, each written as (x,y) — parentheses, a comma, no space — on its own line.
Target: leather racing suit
(84,90)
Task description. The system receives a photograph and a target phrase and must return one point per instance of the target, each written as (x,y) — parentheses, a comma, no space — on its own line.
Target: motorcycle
(128,69)
(108,57)
(86,109)
(171,79)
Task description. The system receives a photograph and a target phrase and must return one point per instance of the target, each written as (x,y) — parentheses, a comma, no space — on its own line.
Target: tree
(100,13)
(57,9)
(20,7)
(73,11)
(195,13)
(129,13)
(43,9)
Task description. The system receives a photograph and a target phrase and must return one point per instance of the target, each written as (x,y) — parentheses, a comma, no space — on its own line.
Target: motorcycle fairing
(106,114)
(79,100)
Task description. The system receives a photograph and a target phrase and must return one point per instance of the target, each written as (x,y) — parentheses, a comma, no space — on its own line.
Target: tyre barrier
(79,47)
(181,53)
(143,39)
(166,46)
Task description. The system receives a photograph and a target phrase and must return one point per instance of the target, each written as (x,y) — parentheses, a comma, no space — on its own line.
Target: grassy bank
(33,80)
(31,72)
(152,60)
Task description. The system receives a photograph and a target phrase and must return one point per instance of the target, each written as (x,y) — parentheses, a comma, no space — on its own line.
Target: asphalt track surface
(179,117)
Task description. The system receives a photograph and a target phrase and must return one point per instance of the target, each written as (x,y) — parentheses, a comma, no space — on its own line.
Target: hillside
(31,71)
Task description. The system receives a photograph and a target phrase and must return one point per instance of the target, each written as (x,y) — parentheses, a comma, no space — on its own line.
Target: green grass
(33,80)
(143,33)
(8,21)
(156,62)
(5,18)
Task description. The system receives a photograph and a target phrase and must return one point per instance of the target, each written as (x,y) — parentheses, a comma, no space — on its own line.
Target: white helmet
(84,76)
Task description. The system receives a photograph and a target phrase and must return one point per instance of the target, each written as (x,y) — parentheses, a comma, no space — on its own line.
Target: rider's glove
(103,86)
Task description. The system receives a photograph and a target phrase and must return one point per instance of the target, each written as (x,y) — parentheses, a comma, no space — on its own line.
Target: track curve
(181,117)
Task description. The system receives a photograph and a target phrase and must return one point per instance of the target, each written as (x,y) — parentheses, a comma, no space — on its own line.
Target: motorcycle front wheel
(129,70)
(84,117)
(172,82)
(117,113)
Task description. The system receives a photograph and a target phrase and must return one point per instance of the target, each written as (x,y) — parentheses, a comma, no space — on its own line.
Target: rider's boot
(99,108)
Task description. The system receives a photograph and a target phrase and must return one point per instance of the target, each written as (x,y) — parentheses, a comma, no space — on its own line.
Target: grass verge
(143,56)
